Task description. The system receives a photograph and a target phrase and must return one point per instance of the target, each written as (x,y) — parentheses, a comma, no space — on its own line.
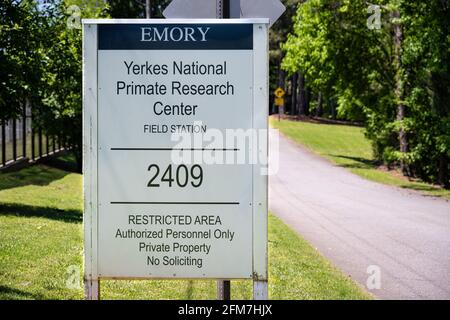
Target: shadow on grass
(65,162)
(38,175)
(360,163)
(13,293)
(20,210)
(413,184)
(422,187)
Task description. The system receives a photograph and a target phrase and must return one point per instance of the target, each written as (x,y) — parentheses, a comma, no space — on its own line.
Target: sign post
(226,9)
(175,150)
(279,100)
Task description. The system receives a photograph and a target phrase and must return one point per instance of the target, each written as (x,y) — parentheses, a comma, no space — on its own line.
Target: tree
(277,36)
(21,56)
(60,109)
(394,77)
(426,59)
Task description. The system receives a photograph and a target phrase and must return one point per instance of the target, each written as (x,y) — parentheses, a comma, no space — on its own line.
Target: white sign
(199,9)
(170,190)
(271,9)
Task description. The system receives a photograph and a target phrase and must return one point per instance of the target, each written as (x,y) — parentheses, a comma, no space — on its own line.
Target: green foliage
(41,63)
(60,110)
(21,55)
(40,59)
(281,29)
(427,62)
(371,77)
(277,36)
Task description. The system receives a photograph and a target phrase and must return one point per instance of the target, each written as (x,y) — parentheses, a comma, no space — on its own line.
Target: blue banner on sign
(175,37)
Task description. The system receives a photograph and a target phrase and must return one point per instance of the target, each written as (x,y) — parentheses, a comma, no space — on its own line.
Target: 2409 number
(180,176)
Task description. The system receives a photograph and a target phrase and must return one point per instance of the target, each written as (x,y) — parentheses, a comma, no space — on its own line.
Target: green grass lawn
(41,245)
(348,147)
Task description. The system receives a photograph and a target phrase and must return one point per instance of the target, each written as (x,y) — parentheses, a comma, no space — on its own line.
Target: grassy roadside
(41,251)
(347,147)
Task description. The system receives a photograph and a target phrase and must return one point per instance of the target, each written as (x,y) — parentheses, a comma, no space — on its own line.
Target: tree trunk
(77,151)
(301,100)
(307,100)
(294,94)
(443,178)
(281,75)
(332,105)
(319,108)
(441,100)
(400,90)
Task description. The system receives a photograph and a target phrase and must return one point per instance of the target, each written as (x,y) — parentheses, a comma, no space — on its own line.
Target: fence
(22,141)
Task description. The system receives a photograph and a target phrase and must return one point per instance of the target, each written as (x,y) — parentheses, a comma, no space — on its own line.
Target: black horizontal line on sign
(171,202)
(174,149)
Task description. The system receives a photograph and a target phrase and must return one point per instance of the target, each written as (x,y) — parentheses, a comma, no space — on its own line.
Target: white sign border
(90,147)
(90,163)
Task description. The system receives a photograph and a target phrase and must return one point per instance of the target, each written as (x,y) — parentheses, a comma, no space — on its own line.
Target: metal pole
(91,289)
(148,9)
(281,109)
(24,131)
(47,146)
(223,286)
(40,142)
(33,151)
(223,290)
(260,290)
(14,128)
(226,9)
(3,142)
(33,147)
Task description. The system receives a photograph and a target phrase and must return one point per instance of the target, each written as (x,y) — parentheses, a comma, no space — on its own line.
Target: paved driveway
(358,224)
